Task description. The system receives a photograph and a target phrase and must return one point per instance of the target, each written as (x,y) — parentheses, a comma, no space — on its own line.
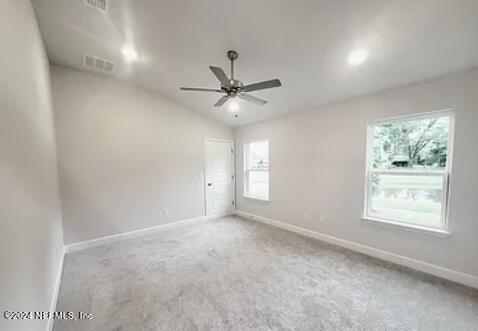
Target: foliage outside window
(256,170)
(408,170)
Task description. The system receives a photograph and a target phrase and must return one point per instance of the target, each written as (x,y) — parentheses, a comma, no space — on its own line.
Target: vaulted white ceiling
(305,43)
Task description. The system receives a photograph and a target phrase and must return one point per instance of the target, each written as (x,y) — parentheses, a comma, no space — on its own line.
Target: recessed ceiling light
(233,106)
(129,53)
(357,57)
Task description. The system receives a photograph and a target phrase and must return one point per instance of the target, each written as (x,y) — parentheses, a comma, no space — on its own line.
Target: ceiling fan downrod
(232,55)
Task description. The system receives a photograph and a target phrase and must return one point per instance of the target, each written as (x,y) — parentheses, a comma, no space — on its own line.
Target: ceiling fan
(233,87)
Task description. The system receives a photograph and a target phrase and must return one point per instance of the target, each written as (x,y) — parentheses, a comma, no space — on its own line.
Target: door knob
(209,184)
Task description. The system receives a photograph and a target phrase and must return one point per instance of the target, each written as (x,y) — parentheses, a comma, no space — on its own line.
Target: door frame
(233,170)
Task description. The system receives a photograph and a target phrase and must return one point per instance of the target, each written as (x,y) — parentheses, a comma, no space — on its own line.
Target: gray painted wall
(317,162)
(31,244)
(126,155)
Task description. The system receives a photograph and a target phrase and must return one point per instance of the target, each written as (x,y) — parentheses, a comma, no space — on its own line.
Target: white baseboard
(425,267)
(56,290)
(131,234)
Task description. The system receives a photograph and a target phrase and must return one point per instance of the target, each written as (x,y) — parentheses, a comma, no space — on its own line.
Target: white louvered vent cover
(101,5)
(98,64)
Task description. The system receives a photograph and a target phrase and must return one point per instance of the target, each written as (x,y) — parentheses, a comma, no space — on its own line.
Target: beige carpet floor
(235,274)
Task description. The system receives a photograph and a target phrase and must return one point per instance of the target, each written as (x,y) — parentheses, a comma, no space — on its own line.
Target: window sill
(256,198)
(416,228)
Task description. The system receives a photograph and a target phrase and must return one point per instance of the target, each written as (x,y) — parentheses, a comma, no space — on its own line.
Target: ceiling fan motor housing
(234,88)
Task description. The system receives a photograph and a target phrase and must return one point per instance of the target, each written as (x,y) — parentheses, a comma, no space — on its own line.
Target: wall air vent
(101,5)
(98,64)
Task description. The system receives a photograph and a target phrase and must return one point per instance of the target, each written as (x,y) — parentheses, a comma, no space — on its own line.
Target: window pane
(420,144)
(410,199)
(259,155)
(259,184)
(257,173)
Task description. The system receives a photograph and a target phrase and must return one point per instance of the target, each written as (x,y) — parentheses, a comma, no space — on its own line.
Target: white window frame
(246,193)
(368,216)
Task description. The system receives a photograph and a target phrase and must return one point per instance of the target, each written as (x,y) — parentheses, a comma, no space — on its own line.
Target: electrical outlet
(166,212)
(306,217)
(322,219)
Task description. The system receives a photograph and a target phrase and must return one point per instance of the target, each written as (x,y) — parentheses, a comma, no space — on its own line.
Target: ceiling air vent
(101,5)
(98,64)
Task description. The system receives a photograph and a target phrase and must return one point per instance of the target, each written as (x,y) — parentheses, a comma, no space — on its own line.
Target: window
(408,169)
(256,170)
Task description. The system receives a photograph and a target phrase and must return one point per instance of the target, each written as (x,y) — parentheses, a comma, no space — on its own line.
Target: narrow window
(408,168)
(256,170)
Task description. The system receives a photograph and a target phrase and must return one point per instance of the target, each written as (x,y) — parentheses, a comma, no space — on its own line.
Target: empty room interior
(238,165)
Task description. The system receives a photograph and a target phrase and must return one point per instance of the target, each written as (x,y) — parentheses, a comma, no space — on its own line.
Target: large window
(256,170)
(408,168)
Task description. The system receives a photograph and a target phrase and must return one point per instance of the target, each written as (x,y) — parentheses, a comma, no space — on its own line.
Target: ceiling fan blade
(199,89)
(223,100)
(252,99)
(261,85)
(219,73)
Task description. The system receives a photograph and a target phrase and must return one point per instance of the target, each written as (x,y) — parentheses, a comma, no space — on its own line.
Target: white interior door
(220,178)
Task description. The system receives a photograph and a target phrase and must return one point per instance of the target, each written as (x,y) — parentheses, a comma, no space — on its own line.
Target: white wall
(31,244)
(125,155)
(318,167)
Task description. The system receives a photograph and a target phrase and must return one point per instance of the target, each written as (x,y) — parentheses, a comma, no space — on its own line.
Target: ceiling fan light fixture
(233,106)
